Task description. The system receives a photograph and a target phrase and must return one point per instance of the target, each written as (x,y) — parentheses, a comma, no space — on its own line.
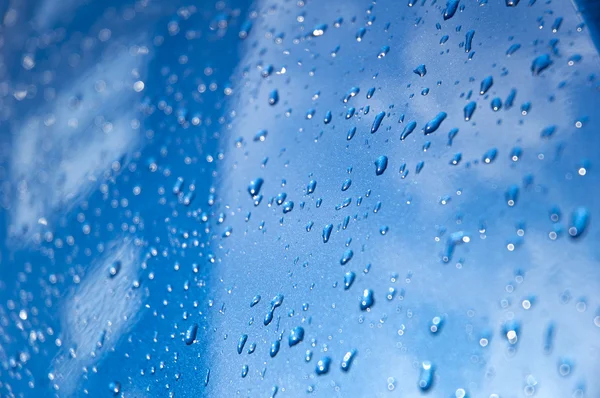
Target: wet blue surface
(262,199)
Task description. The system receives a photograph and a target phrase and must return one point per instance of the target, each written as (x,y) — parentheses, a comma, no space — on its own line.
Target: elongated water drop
(456,159)
(451,7)
(370,93)
(349,279)
(469,110)
(496,104)
(419,166)
(383,52)
(347,360)
(548,132)
(408,129)
(255,300)
(347,256)
(242,343)
(310,188)
(451,134)
(426,376)
(350,94)
(580,219)
(274,348)
(327,118)
(350,113)
(327,232)
(380,165)
(510,100)
(360,33)
(540,64)
(273,97)
(434,123)
(490,156)
(511,195)
(351,133)
(512,49)
(469,40)
(486,84)
(377,122)
(190,334)
(260,136)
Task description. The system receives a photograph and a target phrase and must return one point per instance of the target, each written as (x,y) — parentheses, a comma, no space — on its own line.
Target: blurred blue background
(246,198)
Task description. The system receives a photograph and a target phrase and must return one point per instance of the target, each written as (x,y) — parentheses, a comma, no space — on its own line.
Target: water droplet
(347,360)
(525,108)
(512,3)
(490,156)
(190,334)
(274,348)
(426,376)
(510,99)
(244,370)
(288,206)
(273,97)
(255,186)
(114,387)
(511,195)
(512,49)
(367,300)
(580,219)
(444,39)
(319,30)
(323,366)
(350,94)
(346,184)
(469,110)
(370,93)
(435,326)
(451,134)
(496,104)
(351,133)
(420,70)
(296,336)
(114,269)
(260,136)
(380,165)
(350,112)
(408,129)
(434,123)
(310,188)
(327,232)
(242,343)
(486,84)
(540,64)
(377,122)
(360,33)
(548,132)
(419,166)
(327,118)
(255,300)
(456,159)
(347,256)
(383,52)
(469,40)
(451,7)
(349,279)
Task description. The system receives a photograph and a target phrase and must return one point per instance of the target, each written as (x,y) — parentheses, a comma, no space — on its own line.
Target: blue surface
(461,260)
